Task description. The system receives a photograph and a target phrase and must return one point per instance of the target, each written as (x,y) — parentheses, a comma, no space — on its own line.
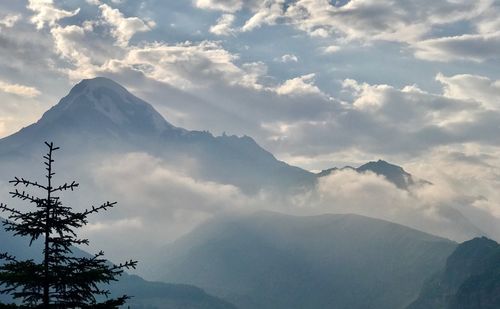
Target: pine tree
(62,279)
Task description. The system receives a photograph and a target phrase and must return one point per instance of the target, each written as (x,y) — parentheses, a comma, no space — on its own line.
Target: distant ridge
(99,118)
(393,173)
(271,260)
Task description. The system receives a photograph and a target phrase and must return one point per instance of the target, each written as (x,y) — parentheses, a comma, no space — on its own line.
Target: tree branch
(66,186)
(94,209)
(17,181)
(4,208)
(25,196)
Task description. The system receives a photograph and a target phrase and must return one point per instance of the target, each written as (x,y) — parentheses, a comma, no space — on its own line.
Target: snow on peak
(104,97)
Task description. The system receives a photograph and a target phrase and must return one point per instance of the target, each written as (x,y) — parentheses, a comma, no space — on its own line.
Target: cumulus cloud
(46,13)
(267,13)
(415,120)
(302,85)
(188,65)
(472,87)
(223,25)
(183,65)
(123,27)
(288,58)
(9,20)
(420,119)
(222,5)
(88,52)
(68,42)
(397,21)
(284,115)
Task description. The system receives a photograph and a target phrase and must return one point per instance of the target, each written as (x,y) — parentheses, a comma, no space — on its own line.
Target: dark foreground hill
(470,279)
(270,260)
(146,294)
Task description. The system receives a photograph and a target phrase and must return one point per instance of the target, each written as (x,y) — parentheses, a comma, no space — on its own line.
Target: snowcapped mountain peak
(104,103)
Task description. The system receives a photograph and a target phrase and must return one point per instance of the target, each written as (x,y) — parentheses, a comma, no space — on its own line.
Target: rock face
(470,279)
(270,260)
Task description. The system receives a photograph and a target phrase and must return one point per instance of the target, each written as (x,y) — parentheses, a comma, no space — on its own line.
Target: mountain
(159,295)
(146,294)
(271,260)
(393,173)
(469,280)
(99,115)
(99,120)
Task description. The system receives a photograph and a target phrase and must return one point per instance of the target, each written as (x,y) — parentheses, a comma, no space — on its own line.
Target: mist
(160,200)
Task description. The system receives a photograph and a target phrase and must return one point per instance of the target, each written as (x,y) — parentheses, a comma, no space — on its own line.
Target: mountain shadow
(469,280)
(271,260)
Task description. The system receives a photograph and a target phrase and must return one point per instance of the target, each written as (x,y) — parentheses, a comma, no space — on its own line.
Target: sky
(317,83)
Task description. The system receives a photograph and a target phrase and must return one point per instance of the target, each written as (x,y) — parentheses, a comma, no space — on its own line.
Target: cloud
(289,58)
(418,26)
(159,197)
(84,53)
(472,87)
(9,20)
(267,13)
(156,197)
(331,49)
(123,27)
(47,13)
(225,90)
(20,90)
(473,47)
(446,208)
(388,20)
(223,25)
(87,52)
(318,112)
(183,65)
(166,186)
(221,5)
(282,113)
(188,65)
(416,121)
(302,85)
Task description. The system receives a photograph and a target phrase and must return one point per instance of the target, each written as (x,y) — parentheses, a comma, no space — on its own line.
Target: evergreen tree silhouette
(62,279)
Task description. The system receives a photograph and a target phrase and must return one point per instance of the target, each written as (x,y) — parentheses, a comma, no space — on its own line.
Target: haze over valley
(266,154)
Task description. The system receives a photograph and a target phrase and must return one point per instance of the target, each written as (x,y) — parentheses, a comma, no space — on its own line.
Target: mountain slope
(270,260)
(99,119)
(145,294)
(99,115)
(470,279)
